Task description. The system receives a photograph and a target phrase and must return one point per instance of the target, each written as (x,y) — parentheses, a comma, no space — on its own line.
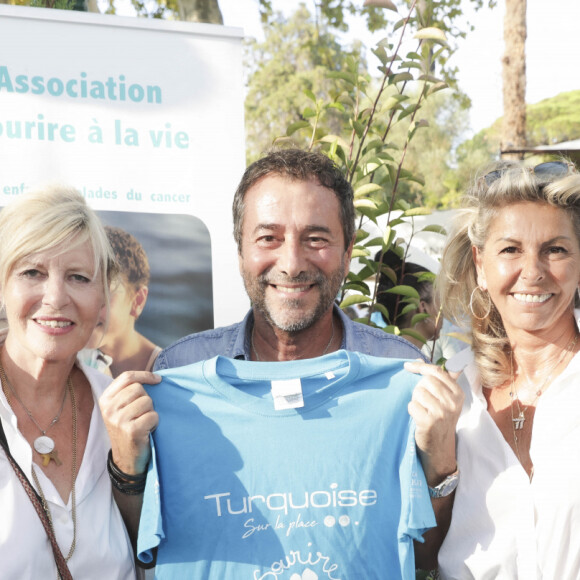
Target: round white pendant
(44,444)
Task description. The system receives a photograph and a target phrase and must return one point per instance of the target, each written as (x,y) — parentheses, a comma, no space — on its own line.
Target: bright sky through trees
(550,49)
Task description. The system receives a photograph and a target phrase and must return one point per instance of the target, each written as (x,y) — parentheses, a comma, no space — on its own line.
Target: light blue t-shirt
(238,489)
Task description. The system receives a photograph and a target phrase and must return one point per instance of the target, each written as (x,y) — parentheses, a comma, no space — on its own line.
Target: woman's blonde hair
(457,280)
(57,216)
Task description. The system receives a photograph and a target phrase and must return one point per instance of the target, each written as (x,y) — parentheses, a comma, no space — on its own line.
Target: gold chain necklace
(74,478)
(44,445)
(323,352)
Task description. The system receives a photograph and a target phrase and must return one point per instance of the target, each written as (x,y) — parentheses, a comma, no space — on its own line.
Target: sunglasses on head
(543,170)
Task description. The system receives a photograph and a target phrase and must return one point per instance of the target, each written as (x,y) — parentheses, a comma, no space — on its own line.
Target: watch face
(446,487)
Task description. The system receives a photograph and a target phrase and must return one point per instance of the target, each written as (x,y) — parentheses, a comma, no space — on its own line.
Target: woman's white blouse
(503,526)
(103,550)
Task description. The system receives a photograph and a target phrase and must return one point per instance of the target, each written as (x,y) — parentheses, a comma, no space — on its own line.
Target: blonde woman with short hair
(59,518)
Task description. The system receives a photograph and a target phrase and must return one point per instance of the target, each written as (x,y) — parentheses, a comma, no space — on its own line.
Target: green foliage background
(370,126)
(400,137)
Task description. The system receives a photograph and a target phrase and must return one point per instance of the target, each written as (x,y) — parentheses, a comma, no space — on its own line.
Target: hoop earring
(488,304)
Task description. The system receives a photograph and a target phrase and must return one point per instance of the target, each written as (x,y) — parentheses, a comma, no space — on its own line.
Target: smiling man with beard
(243,409)
(294,224)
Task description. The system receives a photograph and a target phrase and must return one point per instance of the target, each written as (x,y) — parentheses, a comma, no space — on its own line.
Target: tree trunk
(514,79)
(200,11)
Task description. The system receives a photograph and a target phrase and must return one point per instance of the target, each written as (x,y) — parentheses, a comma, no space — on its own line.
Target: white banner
(145,118)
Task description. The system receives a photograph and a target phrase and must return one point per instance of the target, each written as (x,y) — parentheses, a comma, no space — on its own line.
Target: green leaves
(407,291)
(292,128)
(366,189)
(432,34)
(415,211)
(400,77)
(417,125)
(345,76)
(368,127)
(381,4)
(435,228)
(413,334)
(354,299)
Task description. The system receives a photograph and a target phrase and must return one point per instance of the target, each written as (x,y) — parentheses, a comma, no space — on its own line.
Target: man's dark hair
(297,165)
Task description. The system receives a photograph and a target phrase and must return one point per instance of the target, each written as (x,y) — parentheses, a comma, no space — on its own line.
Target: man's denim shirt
(234,342)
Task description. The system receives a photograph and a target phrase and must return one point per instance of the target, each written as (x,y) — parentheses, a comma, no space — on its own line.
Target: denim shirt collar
(242,348)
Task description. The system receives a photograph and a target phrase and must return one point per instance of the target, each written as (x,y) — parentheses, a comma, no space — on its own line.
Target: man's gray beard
(328,288)
(298,325)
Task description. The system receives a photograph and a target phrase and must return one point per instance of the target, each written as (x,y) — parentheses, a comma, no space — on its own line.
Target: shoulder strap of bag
(61,565)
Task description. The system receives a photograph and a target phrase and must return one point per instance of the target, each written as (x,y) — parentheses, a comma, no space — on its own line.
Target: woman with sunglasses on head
(512,267)
(58,518)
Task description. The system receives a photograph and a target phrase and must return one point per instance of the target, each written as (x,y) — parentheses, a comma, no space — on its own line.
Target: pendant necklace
(43,444)
(323,352)
(519,420)
(73,476)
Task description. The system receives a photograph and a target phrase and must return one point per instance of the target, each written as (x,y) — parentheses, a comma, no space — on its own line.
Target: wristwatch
(446,487)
